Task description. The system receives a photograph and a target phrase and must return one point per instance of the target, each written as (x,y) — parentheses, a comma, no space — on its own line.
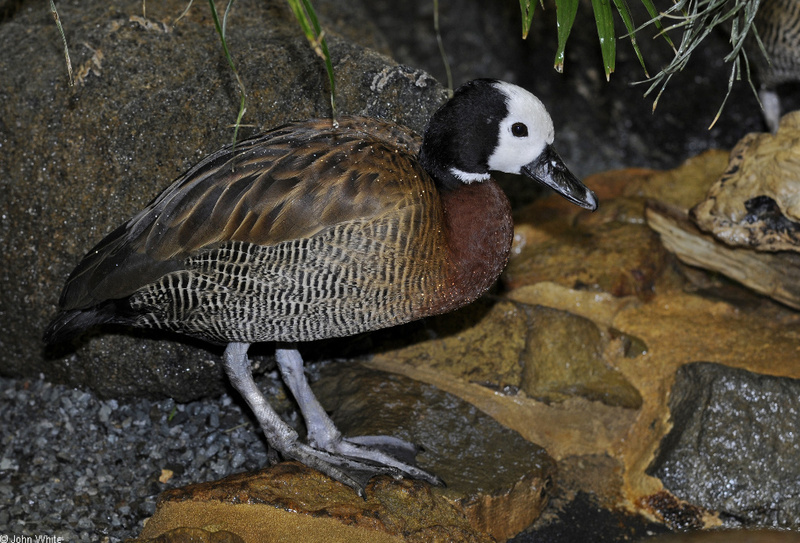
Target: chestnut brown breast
(303,233)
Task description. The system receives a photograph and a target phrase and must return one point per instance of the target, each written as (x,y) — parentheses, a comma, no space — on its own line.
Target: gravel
(84,469)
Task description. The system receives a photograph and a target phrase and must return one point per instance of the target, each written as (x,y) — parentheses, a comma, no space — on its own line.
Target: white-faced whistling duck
(311,231)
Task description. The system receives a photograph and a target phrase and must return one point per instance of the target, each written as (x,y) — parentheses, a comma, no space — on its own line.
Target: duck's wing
(290,183)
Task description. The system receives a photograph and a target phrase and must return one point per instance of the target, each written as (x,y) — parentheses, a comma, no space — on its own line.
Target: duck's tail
(71,323)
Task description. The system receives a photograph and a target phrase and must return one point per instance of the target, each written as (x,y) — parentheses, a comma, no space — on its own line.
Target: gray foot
(394,455)
(352,461)
(354,465)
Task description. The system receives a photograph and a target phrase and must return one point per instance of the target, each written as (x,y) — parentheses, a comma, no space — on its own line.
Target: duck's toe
(386,452)
(395,447)
(354,461)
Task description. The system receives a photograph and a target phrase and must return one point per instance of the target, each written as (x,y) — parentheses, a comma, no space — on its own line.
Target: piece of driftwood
(775,274)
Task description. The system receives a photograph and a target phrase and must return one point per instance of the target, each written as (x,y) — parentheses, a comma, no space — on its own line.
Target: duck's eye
(519,130)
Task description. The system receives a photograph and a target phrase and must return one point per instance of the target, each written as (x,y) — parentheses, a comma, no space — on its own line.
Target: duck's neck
(479,231)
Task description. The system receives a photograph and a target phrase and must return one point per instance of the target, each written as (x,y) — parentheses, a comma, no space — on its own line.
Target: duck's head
(490,125)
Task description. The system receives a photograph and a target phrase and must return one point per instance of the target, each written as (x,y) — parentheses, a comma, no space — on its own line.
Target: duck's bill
(550,170)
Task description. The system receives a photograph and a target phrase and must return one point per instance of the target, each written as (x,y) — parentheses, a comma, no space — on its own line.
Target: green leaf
(565,17)
(605,31)
(655,18)
(527,8)
(627,19)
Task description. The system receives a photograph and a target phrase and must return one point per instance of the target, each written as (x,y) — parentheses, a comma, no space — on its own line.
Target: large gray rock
(152,97)
(735,445)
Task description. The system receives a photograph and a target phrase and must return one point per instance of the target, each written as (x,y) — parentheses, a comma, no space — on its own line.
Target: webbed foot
(350,460)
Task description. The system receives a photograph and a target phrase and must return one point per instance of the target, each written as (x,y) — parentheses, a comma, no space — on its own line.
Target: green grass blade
(228,57)
(442,52)
(655,17)
(225,18)
(325,54)
(54,11)
(184,12)
(301,17)
(527,7)
(307,18)
(627,19)
(565,17)
(605,31)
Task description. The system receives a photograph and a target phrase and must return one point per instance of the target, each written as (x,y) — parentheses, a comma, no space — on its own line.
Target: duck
(315,230)
(778,24)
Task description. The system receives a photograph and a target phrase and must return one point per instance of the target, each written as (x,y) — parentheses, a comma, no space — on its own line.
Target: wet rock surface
(734,444)
(498,482)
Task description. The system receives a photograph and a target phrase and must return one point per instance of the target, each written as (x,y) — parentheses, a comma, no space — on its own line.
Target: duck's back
(303,233)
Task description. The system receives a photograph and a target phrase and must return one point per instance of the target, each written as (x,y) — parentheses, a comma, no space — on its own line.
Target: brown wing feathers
(290,183)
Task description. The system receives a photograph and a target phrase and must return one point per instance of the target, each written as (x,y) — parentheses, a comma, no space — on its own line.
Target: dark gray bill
(550,170)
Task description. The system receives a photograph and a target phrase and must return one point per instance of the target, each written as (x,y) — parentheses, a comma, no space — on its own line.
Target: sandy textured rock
(480,343)
(611,251)
(776,275)
(208,534)
(756,202)
(290,502)
(564,357)
(549,354)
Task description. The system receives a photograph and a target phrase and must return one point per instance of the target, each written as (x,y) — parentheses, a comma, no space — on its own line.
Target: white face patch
(514,151)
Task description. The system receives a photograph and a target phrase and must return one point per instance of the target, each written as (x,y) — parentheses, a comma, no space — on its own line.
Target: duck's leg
(283,438)
(771,104)
(387,451)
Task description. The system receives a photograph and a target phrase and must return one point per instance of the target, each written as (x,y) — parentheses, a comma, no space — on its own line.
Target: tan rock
(291,502)
(746,215)
(208,534)
(610,251)
(480,343)
(776,275)
(564,357)
(756,202)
